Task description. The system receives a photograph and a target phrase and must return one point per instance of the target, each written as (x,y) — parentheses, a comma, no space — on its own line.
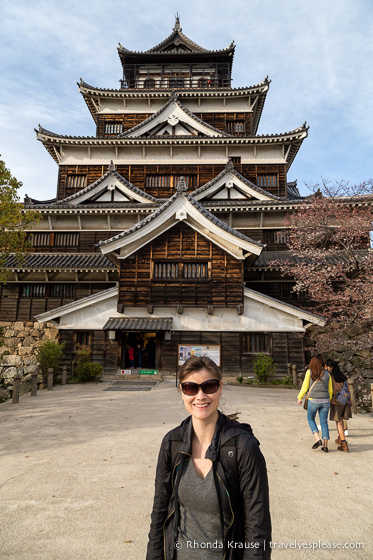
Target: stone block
(11,342)
(35,332)
(29,324)
(22,334)
(9,333)
(11,360)
(31,369)
(5,324)
(25,387)
(9,373)
(30,360)
(28,341)
(25,351)
(19,326)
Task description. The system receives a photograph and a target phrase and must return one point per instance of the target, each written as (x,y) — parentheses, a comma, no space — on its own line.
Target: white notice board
(186,352)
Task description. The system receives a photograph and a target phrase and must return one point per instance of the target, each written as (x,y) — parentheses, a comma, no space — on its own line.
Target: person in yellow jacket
(318,383)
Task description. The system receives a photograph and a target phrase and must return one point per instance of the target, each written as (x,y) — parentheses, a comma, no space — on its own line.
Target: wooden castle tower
(166,223)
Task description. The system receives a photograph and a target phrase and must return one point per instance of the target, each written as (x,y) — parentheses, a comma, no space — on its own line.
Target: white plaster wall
(257,317)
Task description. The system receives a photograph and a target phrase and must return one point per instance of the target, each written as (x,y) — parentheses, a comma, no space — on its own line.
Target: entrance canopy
(138,324)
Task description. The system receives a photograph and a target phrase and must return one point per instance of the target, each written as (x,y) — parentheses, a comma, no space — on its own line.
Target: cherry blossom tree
(330,241)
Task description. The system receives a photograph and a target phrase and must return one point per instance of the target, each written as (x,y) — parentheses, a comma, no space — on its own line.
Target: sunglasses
(208,387)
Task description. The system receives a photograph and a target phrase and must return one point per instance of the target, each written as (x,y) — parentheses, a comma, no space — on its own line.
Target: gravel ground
(77,470)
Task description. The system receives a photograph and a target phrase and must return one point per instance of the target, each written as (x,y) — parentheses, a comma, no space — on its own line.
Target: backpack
(343,396)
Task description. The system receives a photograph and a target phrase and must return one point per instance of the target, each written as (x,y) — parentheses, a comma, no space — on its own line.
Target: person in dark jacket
(338,412)
(211,489)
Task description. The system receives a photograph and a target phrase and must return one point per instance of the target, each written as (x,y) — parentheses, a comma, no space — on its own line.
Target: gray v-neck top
(200,533)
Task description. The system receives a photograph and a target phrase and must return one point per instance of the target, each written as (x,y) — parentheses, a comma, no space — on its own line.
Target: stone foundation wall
(19,349)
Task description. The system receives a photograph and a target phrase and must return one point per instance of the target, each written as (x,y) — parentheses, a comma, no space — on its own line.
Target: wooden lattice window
(195,271)
(76,181)
(166,271)
(257,343)
(281,237)
(84,338)
(236,160)
(235,127)
(169,181)
(203,82)
(33,290)
(62,291)
(42,239)
(181,270)
(267,181)
(113,128)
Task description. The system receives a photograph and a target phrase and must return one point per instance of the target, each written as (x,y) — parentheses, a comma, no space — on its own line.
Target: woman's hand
(299,401)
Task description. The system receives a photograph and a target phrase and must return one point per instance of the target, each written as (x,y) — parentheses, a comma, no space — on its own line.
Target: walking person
(211,489)
(318,383)
(338,412)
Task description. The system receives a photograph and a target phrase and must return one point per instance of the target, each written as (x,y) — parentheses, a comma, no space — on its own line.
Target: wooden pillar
(34,384)
(64,375)
(50,379)
(351,388)
(16,387)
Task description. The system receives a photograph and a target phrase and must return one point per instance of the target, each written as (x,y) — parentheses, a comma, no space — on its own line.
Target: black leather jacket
(239,466)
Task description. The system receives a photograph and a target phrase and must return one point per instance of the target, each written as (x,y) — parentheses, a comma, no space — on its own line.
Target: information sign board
(186,352)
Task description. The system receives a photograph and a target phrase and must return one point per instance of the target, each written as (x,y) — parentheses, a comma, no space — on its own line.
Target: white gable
(109,189)
(181,208)
(173,120)
(230,186)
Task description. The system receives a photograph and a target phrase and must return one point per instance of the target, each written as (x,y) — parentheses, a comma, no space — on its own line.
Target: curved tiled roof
(273,259)
(176,37)
(206,213)
(65,261)
(229,168)
(173,99)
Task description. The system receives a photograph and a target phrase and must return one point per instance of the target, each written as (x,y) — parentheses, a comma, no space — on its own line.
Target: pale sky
(318,54)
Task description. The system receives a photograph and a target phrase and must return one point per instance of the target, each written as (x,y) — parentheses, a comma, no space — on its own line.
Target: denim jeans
(323,409)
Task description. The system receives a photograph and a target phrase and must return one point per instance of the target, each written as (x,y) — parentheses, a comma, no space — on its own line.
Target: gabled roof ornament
(173,96)
(177,23)
(111,166)
(229,166)
(181,185)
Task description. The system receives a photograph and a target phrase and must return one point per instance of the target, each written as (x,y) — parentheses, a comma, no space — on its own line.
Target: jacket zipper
(173,511)
(230,505)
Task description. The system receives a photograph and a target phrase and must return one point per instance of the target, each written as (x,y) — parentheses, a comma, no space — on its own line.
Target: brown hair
(195,364)
(316,367)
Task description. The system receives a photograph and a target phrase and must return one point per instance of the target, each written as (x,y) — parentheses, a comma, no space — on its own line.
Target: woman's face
(202,406)
(329,368)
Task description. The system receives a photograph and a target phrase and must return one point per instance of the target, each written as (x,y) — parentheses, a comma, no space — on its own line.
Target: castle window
(76,181)
(113,128)
(266,181)
(166,271)
(169,181)
(62,290)
(84,338)
(33,290)
(236,160)
(235,127)
(42,239)
(255,343)
(281,237)
(177,270)
(195,271)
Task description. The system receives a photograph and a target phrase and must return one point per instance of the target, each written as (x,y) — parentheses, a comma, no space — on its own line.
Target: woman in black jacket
(211,488)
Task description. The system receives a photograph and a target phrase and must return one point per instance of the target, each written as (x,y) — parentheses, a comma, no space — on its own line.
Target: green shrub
(264,368)
(88,371)
(288,380)
(50,355)
(239,379)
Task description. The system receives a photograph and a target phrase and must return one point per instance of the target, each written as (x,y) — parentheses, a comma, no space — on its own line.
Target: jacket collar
(186,430)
